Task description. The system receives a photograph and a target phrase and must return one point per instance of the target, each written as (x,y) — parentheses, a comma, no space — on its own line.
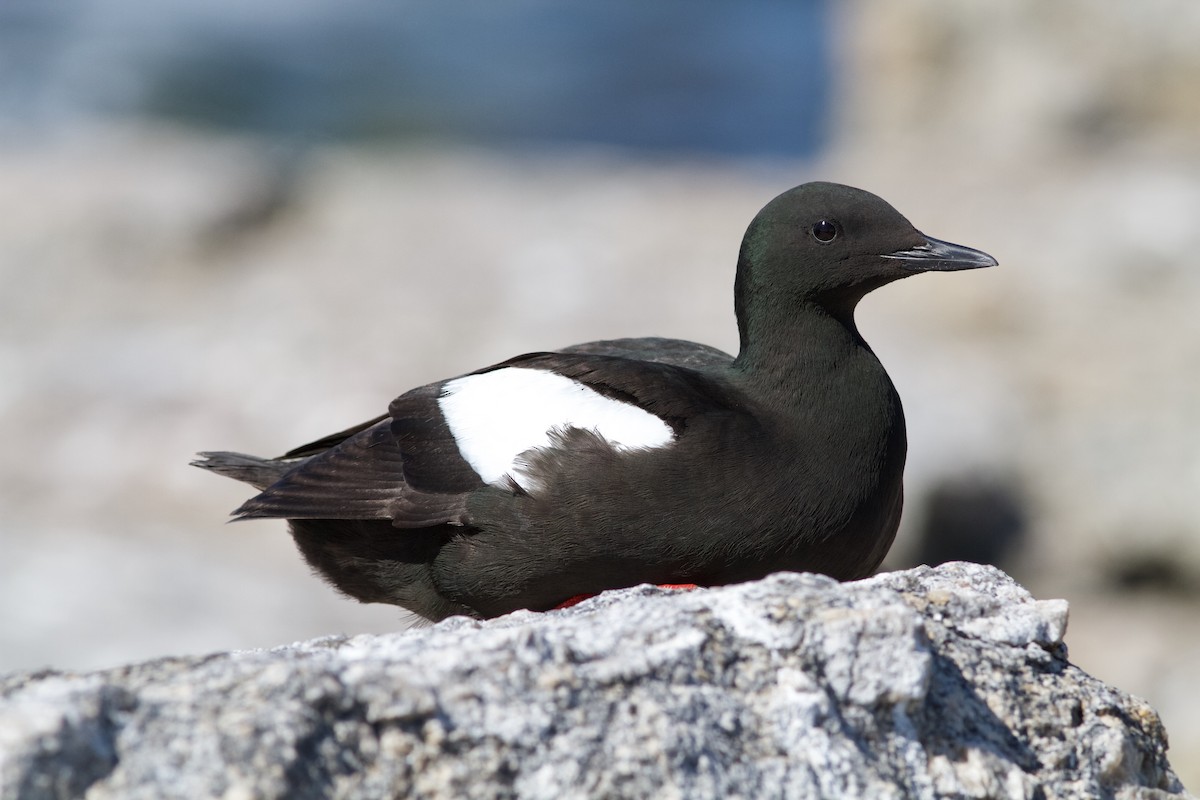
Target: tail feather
(258,472)
(361,475)
(360,478)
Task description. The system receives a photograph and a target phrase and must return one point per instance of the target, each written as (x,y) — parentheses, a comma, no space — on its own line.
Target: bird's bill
(936,255)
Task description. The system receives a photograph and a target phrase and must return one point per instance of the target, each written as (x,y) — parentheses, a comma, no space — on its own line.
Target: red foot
(573,601)
(579,598)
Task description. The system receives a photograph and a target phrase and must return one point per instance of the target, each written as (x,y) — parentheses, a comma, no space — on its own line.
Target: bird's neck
(811,337)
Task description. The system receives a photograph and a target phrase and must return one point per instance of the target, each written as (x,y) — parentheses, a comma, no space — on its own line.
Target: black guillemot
(553,475)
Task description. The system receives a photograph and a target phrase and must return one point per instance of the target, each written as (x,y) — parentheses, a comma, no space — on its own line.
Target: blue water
(749,77)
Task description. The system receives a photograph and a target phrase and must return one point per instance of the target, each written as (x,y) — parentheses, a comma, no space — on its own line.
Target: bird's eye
(824,230)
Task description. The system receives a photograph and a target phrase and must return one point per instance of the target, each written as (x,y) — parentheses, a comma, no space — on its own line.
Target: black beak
(934,255)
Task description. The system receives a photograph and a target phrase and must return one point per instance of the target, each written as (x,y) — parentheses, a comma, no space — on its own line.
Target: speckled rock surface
(948,682)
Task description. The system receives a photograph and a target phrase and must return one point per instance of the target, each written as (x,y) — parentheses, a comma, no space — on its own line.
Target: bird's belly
(712,517)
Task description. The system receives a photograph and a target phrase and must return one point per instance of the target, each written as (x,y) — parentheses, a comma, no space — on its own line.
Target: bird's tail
(258,472)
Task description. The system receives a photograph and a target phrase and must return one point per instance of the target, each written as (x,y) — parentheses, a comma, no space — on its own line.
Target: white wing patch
(497,416)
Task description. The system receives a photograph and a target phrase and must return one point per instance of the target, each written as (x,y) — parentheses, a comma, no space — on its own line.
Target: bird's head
(829,244)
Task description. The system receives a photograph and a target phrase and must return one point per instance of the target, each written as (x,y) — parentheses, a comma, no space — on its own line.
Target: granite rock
(946,682)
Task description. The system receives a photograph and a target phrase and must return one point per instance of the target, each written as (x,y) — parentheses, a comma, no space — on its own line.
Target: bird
(561,474)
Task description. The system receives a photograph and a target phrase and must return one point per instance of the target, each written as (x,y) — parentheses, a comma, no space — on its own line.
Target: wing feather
(361,478)
(407,466)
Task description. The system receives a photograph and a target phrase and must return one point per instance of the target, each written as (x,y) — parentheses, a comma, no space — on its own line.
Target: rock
(947,682)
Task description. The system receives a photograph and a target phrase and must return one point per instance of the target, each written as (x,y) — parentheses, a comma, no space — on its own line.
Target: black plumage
(788,457)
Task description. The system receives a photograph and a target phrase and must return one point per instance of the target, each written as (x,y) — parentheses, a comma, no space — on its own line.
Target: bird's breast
(832,449)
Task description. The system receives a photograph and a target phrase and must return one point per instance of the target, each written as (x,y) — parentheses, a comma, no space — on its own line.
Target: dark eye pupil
(824,231)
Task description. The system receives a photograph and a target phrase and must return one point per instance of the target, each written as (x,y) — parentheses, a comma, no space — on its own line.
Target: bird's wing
(499,416)
(360,478)
(441,442)
(677,352)
(663,382)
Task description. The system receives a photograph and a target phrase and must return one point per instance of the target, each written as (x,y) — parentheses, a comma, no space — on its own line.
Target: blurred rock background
(238,227)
